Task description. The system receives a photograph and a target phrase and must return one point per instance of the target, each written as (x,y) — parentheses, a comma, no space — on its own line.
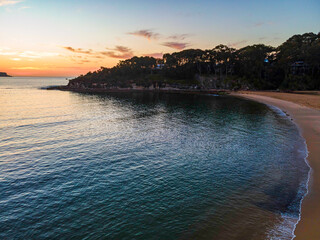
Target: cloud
(7,53)
(155,55)
(26,68)
(122,49)
(151,35)
(26,54)
(118,55)
(175,45)
(98,56)
(78,50)
(79,59)
(173,41)
(9,2)
(16,59)
(120,52)
(179,36)
(32,54)
(145,33)
(237,44)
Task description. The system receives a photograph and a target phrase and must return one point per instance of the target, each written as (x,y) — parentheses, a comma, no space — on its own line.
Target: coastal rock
(4,74)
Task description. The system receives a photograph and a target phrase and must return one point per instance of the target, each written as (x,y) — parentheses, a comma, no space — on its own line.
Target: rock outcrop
(3,74)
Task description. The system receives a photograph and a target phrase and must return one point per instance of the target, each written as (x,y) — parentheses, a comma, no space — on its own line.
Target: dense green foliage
(295,64)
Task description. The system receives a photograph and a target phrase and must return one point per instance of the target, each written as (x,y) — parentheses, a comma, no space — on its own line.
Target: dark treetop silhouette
(294,65)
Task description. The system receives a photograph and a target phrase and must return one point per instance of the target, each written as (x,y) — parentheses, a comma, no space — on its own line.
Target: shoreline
(117,90)
(308,123)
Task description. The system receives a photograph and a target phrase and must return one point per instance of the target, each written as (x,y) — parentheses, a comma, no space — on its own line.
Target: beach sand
(309,99)
(303,108)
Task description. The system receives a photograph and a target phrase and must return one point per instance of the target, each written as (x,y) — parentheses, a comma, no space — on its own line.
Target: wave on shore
(290,218)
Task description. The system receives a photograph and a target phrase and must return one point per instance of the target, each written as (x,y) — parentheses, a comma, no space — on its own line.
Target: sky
(71,37)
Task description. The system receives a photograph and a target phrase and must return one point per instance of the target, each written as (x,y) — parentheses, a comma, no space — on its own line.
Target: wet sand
(303,108)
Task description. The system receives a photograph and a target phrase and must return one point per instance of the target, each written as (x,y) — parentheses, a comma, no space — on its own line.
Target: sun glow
(68,38)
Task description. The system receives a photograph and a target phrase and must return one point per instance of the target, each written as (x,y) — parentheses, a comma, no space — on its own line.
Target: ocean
(145,165)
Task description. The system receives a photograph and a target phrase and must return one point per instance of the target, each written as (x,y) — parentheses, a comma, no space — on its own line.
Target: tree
(251,63)
(257,66)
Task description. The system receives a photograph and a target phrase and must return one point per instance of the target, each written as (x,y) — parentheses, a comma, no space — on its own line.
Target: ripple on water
(145,166)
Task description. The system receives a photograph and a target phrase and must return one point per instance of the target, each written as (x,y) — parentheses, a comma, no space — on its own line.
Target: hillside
(294,65)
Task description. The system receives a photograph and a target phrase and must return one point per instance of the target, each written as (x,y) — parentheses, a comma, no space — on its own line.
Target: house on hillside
(159,66)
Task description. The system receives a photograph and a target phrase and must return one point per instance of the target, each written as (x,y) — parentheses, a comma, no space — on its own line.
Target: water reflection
(140,165)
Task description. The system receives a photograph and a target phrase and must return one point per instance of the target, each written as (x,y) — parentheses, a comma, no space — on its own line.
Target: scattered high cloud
(120,52)
(79,59)
(78,50)
(175,42)
(237,44)
(6,52)
(145,33)
(151,35)
(26,54)
(175,45)
(179,36)
(118,55)
(122,49)
(32,54)
(9,2)
(26,68)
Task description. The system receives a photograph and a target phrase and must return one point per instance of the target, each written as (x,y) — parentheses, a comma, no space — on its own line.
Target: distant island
(3,74)
(294,65)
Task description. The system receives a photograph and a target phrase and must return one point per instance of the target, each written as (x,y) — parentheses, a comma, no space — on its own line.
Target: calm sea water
(145,166)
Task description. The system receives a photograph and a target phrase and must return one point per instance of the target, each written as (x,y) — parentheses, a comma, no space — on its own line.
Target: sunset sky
(72,37)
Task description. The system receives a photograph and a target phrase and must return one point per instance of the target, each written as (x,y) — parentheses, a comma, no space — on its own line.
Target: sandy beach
(304,109)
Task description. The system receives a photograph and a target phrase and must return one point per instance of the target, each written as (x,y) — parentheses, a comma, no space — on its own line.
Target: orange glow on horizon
(49,72)
(50,66)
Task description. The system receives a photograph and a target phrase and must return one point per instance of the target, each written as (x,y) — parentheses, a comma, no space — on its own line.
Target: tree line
(295,65)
